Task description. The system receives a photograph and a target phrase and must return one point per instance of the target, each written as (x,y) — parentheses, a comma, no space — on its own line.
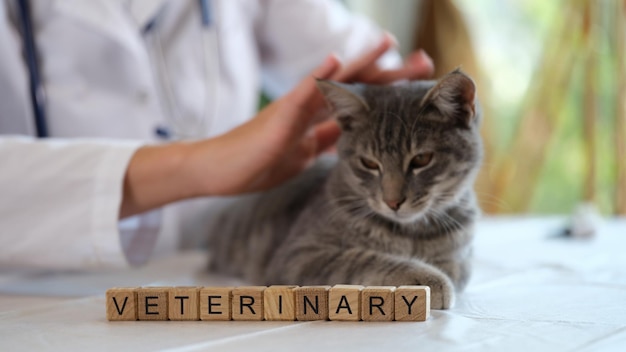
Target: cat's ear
(454,97)
(346,101)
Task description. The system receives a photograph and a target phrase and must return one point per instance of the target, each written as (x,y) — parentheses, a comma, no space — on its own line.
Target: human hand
(274,146)
(418,65)
(365,69)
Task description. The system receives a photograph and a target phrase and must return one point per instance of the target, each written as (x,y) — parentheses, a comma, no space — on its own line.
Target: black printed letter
(181,298)
(151,305)
(249,305)
(342,306)
(315,308)
(409,304)
(120,311)
(211,304)
(379,305)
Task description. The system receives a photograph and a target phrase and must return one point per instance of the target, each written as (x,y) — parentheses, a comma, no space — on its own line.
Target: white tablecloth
(529,292)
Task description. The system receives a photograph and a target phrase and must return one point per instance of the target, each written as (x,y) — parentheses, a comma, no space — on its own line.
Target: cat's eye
(369,164)
(420,160)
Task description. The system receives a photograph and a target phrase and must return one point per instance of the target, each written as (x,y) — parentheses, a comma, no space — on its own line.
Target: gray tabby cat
(396,208)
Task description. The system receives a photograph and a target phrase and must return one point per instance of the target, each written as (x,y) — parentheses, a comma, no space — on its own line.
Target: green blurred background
(551,79)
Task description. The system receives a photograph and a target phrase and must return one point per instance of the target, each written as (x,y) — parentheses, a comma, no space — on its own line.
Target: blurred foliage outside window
(552,84)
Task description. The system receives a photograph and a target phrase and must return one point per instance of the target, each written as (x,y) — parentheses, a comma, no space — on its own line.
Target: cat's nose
(394,204)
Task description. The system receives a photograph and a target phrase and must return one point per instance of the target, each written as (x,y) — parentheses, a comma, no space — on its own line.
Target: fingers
(363,63)
(306,89)
(421,63)
(326,135)
(318,139)
(405,72)
(417,66)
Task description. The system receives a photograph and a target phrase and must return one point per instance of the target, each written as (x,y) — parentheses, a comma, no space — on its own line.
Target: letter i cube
(279,303)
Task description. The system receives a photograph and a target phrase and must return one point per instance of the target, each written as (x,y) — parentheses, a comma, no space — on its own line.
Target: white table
(529,292)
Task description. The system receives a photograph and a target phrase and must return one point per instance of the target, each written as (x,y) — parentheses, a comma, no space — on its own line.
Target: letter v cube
(121,303)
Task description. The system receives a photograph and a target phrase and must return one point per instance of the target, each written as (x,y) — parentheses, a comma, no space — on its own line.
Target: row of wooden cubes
(306,303)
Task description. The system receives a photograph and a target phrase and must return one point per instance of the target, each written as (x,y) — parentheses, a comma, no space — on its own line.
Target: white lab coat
(109,86)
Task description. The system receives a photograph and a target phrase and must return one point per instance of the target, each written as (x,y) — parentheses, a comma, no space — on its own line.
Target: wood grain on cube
(215,303)
(121,303)
(344,302)
(152,303)
(311,303)
(247,303)
(377,303)
(183,303)
(279,303)
(412,303)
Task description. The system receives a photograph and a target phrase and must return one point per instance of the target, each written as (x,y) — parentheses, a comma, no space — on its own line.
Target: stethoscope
(37,91)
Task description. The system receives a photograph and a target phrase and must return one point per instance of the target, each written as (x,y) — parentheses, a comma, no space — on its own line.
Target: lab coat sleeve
(296,35)
(59,202)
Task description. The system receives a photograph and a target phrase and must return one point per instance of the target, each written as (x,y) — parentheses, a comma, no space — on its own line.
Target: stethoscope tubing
(37,93)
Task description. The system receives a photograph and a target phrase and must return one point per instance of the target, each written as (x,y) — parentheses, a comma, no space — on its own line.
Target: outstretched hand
(418,65)
(271,148)
(282,139)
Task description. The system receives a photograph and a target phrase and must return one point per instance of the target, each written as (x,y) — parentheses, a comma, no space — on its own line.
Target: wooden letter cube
(215,303)
(152,303)
(377,303)
(312,303)
(279,303)
(344,302)
(183,303)
(412,303)
(247,303)
(121,303)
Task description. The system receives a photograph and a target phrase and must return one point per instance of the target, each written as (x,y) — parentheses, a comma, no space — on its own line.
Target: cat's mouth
(409,218)
(405,214)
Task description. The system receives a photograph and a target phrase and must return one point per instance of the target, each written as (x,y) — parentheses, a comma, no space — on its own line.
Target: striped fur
(331,226)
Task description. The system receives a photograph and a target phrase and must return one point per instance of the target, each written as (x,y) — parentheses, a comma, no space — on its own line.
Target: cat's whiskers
(397,116)
(346,199)
(353,209)
(492,200)
(419,201)
(448,198)
(437,221)
(433,216)
(451,220)
(415,122)
(358,220)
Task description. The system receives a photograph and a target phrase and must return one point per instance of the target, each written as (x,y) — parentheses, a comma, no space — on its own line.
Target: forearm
(156,176)
(262,153)
(60,201)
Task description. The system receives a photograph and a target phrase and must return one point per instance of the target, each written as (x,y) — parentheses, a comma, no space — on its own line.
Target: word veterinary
(340,302)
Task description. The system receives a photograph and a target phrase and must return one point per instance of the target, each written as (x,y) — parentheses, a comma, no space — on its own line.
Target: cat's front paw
(442,294)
